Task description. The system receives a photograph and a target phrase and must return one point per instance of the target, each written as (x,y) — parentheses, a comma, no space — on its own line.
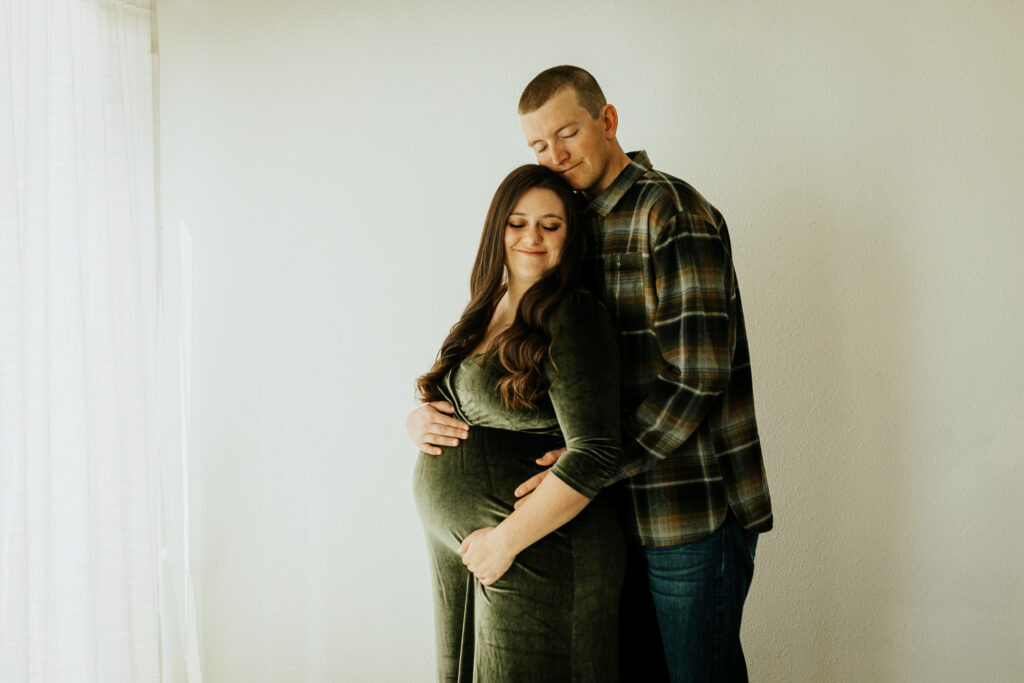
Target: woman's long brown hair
(522,347)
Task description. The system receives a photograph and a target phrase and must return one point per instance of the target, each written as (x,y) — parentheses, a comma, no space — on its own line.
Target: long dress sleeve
(584,371)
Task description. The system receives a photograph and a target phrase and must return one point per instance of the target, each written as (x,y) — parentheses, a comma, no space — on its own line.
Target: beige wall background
(334,162)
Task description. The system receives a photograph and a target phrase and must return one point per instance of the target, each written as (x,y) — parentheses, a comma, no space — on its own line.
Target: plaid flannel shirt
(659,254)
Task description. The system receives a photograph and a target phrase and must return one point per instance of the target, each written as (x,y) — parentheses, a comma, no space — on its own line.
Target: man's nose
(559,153)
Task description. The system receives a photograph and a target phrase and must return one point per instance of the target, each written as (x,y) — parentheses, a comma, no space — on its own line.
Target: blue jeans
(685,605)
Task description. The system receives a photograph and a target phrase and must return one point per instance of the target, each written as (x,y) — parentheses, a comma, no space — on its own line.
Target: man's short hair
(549,82)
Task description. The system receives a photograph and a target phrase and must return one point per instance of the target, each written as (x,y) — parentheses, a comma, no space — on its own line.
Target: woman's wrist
(506,537)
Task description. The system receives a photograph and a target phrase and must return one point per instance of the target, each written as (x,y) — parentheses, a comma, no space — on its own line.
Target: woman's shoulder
(580,308)
(580,298)
(583,336)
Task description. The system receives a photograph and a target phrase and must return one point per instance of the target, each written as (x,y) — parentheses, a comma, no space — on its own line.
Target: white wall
(334,162)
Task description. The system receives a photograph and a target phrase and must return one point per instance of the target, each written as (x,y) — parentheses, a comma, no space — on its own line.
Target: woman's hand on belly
(487,554)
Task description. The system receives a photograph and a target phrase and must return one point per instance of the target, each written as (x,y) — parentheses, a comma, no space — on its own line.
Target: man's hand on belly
(429,427)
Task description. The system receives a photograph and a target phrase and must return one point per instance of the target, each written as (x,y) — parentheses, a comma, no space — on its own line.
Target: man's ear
(609,121)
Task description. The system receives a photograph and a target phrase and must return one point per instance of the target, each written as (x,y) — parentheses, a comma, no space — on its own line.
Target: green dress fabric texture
(553,616)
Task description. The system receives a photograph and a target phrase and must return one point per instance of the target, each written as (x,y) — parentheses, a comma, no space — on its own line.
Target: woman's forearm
(550,506)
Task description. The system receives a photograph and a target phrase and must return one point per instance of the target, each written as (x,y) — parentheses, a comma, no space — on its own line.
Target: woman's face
(534,235)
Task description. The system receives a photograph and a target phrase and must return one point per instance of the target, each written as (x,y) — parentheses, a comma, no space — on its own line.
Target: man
(694,494)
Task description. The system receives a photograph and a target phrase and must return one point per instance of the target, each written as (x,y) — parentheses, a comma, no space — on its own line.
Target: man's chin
(575,182)
(579,186)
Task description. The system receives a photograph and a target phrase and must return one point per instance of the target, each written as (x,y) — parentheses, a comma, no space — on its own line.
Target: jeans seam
(720,610)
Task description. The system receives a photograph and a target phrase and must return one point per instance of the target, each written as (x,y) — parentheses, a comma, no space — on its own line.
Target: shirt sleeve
(695,292)
(584,371)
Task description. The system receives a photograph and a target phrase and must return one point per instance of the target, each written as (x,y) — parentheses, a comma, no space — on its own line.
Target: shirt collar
(603,203)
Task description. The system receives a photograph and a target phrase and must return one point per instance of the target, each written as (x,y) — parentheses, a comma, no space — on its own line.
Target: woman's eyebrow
(547,215)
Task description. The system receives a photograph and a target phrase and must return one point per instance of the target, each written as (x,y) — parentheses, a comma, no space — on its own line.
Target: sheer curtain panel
(78,493)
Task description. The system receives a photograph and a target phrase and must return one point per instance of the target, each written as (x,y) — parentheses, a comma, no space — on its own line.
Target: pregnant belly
(472,485)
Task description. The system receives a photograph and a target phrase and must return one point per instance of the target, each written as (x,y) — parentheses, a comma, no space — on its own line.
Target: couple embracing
(590,478)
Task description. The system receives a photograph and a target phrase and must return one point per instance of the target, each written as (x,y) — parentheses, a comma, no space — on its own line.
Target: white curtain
(78,305)
(178,592)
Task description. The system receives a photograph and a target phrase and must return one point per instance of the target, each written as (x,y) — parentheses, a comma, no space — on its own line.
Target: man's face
(567,140)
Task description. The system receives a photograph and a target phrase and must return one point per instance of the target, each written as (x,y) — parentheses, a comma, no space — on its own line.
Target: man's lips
(570,168)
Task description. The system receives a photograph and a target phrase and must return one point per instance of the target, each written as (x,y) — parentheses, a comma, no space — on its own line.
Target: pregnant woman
(527,594)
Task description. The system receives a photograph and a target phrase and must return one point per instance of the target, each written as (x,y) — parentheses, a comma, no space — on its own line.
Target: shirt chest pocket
(625,290)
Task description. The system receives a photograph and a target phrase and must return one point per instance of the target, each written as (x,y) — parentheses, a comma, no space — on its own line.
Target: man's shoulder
(658,201)
(666,196)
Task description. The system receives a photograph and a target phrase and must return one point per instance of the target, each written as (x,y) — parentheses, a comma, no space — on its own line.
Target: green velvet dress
(553,616)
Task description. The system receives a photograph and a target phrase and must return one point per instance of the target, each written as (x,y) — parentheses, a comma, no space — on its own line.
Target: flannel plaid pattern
(660,255)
